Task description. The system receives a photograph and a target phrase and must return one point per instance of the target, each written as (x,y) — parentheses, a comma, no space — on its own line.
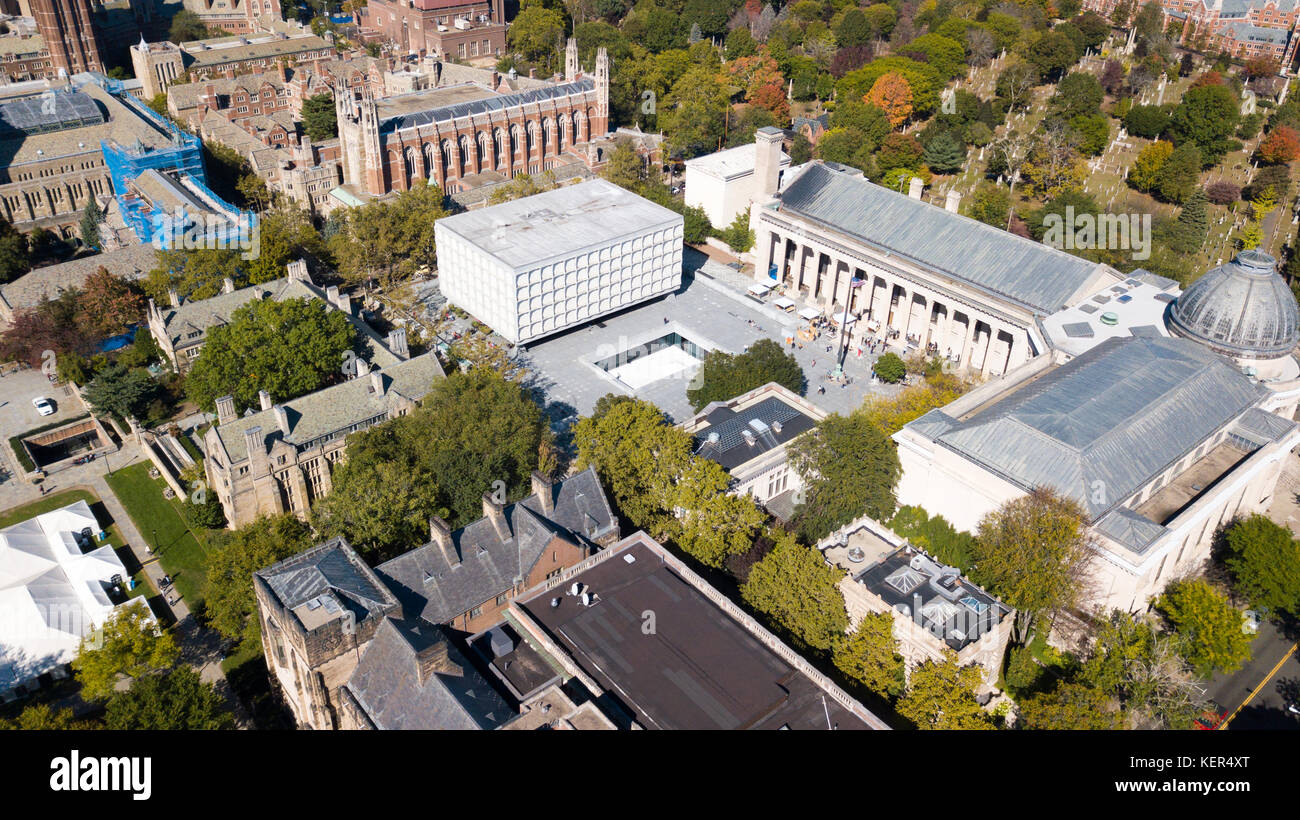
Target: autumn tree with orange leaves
(893,95)
(1281,145)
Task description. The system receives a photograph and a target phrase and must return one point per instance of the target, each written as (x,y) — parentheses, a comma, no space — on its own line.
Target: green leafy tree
(712,524)
(1207,116)
(41,717)
(693,115)
(1146,168)
(288,348)
(1264,561)
(1051,54)
(696,227)
(186,26)
(869,655)
(472,430)
(1033,552)
(1208,626)
(947,56)
(853,30)
(941,695)
(738,235)
(14,258)
(990,204)
(890,368)
(286,234)
(849,468)
(636,453)
(1148,121)
(129,644)
(724,376)
(231,562)
(122,392)
(1070,707)
(1179,176)
(796,588)
(624,167)
(318,117)
(388,240)
(534,33)
(1143,671)
(174,701)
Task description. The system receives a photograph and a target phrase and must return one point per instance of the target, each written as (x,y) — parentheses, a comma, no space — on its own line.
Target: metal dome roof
(1242,309)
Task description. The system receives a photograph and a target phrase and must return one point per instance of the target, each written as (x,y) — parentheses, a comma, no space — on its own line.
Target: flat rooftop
(431,98)
(1132,308)
(559,223)
(733,162)
(698,669)
(1191,483)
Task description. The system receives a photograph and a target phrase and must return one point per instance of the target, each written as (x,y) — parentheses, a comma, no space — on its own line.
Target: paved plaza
(712,310)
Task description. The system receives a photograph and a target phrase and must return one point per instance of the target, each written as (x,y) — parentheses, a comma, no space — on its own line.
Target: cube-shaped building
(546,263)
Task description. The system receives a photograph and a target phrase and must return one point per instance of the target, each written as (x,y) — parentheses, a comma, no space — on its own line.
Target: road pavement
(1257,695)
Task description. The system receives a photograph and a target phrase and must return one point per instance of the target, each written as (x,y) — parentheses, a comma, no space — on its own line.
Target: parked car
(43,406)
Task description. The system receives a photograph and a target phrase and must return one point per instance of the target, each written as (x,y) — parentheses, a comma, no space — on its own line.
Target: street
(1257,695)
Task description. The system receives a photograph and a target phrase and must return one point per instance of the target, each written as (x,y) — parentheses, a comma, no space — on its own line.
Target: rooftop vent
(748,436)
(1109,319)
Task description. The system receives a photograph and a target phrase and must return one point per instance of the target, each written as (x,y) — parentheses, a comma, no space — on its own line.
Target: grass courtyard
(180,548)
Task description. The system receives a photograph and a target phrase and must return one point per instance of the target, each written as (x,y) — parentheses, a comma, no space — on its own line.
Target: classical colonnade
(817,272)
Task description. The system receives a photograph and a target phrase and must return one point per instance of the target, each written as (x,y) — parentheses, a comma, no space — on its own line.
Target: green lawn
(159,521)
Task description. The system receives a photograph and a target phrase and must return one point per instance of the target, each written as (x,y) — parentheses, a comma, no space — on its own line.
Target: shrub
(890,368)
(1223,193)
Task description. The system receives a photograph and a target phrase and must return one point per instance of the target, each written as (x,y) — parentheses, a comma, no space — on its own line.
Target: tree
(14,260)
(692,117)
(1179,175)
(869,655)
(712,524)
(1193,225)
(1281,145)
(91,217)
(186,26)
(176,700)
(1069,707)
(41,717)
(1014,85)
(946,55)
(890,368)
(849,468)
(1112,76)
(854,29)
(122,392)
(1033,552)
(696,228)
(738,235)
(724,376)
(624,167)
(534,33)
(318,117)
(891,94)
(1146,168)
(941,695)
(989,204)
(1207,116)
(286,234)
(1143,670)
(288,348)
(945,154)
(1209,627)
(800,149)
(1264,562)
(130,644)
(1077,95)
(470,432)
(1051,54)
(1148,121)
(1223,193)
(637,454)
(1052,164)
(107,305)
(795,587)
(231,562)
(389,240)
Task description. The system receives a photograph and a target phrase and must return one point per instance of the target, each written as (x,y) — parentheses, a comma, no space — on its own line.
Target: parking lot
(18,415)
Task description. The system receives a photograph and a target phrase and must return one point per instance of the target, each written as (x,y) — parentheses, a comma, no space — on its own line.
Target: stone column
(988,352)
(968,340)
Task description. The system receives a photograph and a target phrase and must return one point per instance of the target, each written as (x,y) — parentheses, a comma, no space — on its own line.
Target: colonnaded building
(465,135)
(1161,434)
(545,263)
(833,239)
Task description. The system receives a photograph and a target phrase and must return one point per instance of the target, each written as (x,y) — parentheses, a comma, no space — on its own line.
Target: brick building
(1243,28)
(465,29)
(324,612)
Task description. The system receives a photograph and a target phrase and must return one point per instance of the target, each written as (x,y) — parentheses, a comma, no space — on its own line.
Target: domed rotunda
(1242,309)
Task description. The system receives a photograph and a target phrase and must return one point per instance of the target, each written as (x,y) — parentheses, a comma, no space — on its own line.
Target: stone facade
(464,29)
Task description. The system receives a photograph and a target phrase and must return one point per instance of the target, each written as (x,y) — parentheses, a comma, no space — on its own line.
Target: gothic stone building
(460,136)
(327,619)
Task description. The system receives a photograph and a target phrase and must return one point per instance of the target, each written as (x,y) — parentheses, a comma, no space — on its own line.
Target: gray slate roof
(335,408)
(1119,414)
(28,291)
(1016,269)
(437,592)
(334,569)
(386,684)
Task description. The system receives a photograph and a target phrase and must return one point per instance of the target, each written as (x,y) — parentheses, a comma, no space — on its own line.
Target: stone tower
(371,154)
(571,68)
(602,91)
(67,27)
(156,65)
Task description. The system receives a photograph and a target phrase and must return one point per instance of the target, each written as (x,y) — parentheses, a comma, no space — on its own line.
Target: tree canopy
(175,700)
(232,559)
(725,376)
(130,644)
(849,468)
(941,695)
(869,655)
(1263,559)
(795,586)
(1209,627)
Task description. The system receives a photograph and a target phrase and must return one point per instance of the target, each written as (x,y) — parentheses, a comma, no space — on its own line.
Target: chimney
(362,367)
(953,202)
(496,513)
(265,399)
(254,444)
(227,285)
(532,74)
(914,190)
(297,269)
(397,343)
(225,409)
(767,159)
(174,297)
(544,489)
(435,659)
(282,418)
(440,535)
(377,382)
